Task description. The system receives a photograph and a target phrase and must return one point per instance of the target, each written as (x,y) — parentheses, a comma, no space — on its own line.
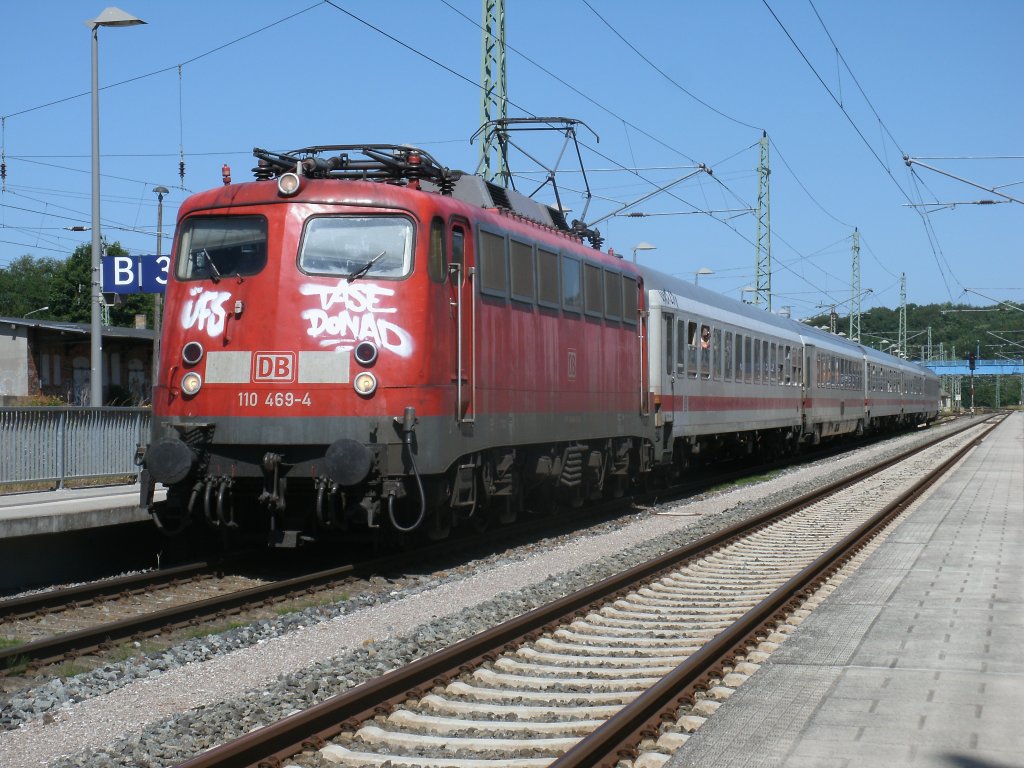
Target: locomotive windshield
(212,247)
(357,246)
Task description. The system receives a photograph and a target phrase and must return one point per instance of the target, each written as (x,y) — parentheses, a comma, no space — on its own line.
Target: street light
(158,297)
(745,290)
(111,17)
(41,309)
(642,247)
(699,272)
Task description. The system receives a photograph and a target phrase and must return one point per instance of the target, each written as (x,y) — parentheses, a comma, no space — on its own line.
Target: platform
(61,511)
(917,659)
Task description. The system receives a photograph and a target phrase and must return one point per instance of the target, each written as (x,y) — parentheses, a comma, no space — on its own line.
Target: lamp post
(111,17)
(41,309)
(158,297)
(642,247)
(699,272)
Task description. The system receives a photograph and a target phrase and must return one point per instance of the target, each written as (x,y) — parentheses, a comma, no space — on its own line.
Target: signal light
(970,360)
(366,353)
(192,352)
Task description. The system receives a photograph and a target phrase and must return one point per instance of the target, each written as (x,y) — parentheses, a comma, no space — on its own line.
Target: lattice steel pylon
(902,343)
(494,93)
(855,289)
(763,281)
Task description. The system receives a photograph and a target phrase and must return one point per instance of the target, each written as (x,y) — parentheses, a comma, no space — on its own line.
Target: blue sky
(928,79)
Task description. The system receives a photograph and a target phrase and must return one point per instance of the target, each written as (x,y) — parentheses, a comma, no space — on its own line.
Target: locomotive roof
(405,165)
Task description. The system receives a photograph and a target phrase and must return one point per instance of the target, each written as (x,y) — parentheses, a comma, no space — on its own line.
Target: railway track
(619,670)
(147,614)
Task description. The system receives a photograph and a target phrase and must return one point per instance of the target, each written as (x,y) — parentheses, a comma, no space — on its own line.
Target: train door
(668,369)
(462,271)
(810,382)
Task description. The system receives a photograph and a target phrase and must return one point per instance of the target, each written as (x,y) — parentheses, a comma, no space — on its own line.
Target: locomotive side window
(593,290)
(435,260)
(547,278)
(572,285)
(612,295)
(521,269)
(212,247)
(630,300)
(458,245)
(493,276)
(370,247)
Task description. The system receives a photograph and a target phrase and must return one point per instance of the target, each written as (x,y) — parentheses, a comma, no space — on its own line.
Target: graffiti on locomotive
(347,313)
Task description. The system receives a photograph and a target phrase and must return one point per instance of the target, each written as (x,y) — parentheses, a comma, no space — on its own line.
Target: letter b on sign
(273,366)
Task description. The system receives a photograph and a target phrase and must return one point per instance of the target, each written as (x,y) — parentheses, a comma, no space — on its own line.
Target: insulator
(181,170)
(262,171)
(3,171)
(225,173)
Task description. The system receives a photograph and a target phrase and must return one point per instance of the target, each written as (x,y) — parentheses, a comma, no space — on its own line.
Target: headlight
(365,383)
(288,184)
(191,382)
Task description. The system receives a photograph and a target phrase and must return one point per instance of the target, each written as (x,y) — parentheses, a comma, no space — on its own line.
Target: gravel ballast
(159,710)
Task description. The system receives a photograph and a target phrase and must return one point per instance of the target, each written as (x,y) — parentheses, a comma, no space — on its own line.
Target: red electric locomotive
(363,338)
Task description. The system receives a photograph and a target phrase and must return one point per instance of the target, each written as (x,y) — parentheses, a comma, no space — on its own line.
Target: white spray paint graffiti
(351,312)
(206,311)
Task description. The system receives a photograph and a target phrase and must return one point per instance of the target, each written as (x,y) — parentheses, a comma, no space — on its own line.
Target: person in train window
(705,337)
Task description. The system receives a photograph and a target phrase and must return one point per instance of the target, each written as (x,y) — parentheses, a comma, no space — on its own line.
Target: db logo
(572,364)
(273,366)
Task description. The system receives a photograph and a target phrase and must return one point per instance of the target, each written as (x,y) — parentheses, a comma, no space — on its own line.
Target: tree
(25,286)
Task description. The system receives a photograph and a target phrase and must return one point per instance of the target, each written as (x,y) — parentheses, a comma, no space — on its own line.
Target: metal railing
(39,445)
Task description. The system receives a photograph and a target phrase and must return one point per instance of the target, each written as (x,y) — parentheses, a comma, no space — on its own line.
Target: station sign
(134,274)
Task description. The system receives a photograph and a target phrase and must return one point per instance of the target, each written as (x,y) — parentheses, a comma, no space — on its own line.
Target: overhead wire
(665,75)
(715,178)
(512,103)
(3,118)
(930,233)
(136,78)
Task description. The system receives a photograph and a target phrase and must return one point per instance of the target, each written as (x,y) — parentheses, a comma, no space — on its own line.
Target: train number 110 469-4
(274,399)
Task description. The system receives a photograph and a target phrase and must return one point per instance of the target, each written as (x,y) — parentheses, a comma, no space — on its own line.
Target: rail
(275,743)
(57,444)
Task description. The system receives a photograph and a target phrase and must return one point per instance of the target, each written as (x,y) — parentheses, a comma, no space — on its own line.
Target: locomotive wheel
(439,524)
(481,519)
(509,507)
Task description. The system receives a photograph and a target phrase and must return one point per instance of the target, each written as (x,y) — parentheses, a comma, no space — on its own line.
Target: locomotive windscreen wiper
(204,255)
(366,267)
